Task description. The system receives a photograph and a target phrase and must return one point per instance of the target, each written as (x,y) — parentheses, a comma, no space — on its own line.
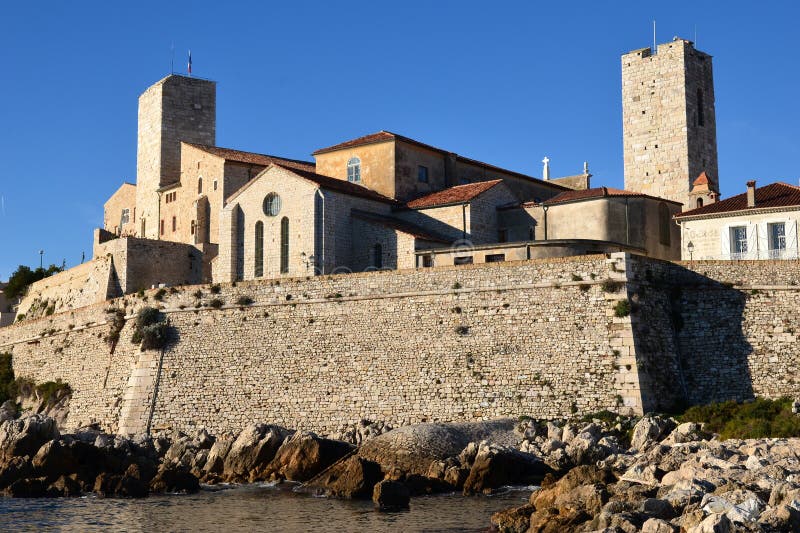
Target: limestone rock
(171,478)
(351,478)
(54,459)
(650,430)
(495,466)
(253,449)
(24,436)
(390,495)
(714,523)
(303,455)
(655,525)
(515,520)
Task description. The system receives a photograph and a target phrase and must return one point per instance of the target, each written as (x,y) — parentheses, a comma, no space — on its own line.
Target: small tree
(22,277)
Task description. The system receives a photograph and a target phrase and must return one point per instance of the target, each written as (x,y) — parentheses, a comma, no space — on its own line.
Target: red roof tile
(596,192)
(702,179)
(770,196)
(252,158)
(453,195)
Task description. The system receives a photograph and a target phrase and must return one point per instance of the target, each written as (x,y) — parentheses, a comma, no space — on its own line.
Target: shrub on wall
(6,377)
(151,329)
(622,308)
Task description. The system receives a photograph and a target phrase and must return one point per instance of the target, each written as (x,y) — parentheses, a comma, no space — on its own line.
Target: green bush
(6,377)
(216,303)
(53,391)
(761,418)
(244,300)
(154,336)
(215,289)
(159,295)
(610,285)
(622,308)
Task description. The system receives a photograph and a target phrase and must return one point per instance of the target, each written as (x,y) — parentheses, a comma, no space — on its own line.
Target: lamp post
(41,258)
(545,208)
(690,249)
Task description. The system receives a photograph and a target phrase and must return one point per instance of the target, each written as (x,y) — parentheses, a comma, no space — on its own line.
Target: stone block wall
(538,338)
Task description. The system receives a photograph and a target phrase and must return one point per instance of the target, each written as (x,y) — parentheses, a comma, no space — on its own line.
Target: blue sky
(504,82)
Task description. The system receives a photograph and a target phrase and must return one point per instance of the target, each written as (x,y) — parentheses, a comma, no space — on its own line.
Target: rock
(554,432)
(14,469)
(657,508)
(456,477)
(171,478)
(781,518)
(650,430)
(24,436)
(304,455)
(64,487)
(467,455)
(495,466)
(353,477)
(563,491)
(252,450)
(54,459)
(515,520)
(654,525)
(686,432)
(557,520)
(27,488)
(8,411)
(215,462)
(391,495)
(714,523)
(203,440)
(644,474)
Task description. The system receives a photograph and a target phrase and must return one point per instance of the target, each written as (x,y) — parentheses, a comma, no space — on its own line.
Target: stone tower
(669,126)
(174,109)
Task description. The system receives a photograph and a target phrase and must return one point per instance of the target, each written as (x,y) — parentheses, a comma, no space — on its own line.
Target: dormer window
(354,170)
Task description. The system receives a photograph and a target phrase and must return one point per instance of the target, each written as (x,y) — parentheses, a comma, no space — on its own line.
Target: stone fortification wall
(82,285)
(535,338)
(470,342)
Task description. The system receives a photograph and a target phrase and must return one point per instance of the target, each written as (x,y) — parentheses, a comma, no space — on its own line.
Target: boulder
(215,461)
(650,430)
(14,469)
(24,436)
(565,490)
(304,455)
(557,520)
(252,450)
(515,520)
(171,478)
(64,487)
(54,459)
(641,473)
(686,432)
(390,495)
(655,525)
(781,518)
(353,477)
(714,523)
(657,508)
(495,466)
(27,488)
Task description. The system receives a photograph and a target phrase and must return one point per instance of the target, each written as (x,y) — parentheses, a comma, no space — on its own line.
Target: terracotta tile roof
(596,192)
(773,195)
(400,225)
(383,136)
(702,179)
(453,195)
(252,158)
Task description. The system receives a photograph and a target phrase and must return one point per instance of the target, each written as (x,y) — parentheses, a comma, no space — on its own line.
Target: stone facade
(119,211)
(537,338)
(669,121)
(176,108)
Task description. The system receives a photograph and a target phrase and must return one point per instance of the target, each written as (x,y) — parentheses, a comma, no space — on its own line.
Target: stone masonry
(668,120)
(538,338)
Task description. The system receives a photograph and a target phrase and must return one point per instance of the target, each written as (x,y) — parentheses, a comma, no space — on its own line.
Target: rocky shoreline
(612,475)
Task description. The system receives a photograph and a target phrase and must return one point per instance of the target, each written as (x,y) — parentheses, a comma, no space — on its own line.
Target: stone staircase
(137,397)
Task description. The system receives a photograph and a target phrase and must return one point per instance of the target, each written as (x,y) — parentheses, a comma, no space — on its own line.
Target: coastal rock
(24,436)
(715,523)
(390,495)
(655,525)
(354,477)
(252,450)
(583,487)
(650,430)
(54,459)
(172,478)
(14,469)
(515,520)
(64,487)
(303,455)
(215,461)
(686,432)
(495,466)
(27,488)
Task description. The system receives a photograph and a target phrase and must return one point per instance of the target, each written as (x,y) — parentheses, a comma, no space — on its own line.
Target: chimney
(751,193)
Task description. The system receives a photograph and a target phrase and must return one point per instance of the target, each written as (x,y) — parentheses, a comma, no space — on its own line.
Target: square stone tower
(669,126)
(174,109)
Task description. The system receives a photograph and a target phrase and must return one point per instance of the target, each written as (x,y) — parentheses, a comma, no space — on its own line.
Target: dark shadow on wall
(689,338)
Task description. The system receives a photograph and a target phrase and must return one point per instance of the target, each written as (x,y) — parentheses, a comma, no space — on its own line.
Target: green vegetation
(53,391)
(215,289)
(151,329)
(622,308)
(758,419)
(22,277)
(216,303)
(116,322)
(610,285)
(456,286)
(576,277)
(6,377)
(244,300)
(159,295)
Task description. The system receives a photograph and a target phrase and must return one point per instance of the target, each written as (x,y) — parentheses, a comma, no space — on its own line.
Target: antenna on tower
(654,36)
(695,35)
(172,58)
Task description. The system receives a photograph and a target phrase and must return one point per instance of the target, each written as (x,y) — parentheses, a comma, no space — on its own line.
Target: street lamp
(690,249)
(41,257)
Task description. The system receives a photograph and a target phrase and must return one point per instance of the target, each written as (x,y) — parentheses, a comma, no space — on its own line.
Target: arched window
(284,245)
(699,202)
(354,170)
(200,185)
(663,224)
(701,109)
(377,256)
(258,271)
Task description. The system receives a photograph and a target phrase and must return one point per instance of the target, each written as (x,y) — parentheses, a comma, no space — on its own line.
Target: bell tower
(669,125)
(174,109)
